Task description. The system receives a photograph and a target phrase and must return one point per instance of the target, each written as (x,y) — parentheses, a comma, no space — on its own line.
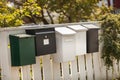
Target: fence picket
(47,68)
(5,57)
(0,57)
(109,74)
(37,70)
(56,71)
(96,63)
(103,69)
(26,73)
(66,75)
(115,71)
(89,67)
(15,73)
(82,67)
(74,70)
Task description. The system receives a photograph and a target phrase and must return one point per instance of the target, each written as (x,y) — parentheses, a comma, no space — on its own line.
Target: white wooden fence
(86,67)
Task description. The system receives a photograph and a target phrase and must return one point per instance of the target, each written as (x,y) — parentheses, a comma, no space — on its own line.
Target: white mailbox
(80,37)
(65,40)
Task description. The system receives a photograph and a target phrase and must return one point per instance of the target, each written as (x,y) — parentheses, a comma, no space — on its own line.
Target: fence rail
(85,67)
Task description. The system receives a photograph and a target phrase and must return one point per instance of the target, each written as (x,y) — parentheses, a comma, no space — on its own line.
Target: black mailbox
(92,38)
(45,40)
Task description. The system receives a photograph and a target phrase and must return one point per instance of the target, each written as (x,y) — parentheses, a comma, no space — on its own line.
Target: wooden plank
(66,75)
(96,64)
(15,73)
(115,70)
(5,57)
(103,69)
(74,70)
(109,74)
(57,72)
(37,70)
(102,65)
(47,69)
(82,72)
(89,67)
(26,73)
(0,56)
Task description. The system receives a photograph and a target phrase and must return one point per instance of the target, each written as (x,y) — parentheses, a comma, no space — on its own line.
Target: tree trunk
(52,21)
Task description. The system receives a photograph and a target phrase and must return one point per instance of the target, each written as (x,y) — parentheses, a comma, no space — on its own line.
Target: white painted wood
(5,57)
(64,31)
(74,70)
(82,67)
(37,70)
(26,73)
(89,67)
(109,74)
(96,63)
(102,68)
(47,69)
(102,63)
(15,73)
(115,69)
(56,71)
(66,75)
(0,55)
(119,67)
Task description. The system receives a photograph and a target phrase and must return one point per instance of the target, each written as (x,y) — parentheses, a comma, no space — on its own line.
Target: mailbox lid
(91,26)
(40,31)
(77,27)
(23,35)
(65,31)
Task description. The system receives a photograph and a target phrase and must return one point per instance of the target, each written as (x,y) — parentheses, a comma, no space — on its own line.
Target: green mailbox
(22,49)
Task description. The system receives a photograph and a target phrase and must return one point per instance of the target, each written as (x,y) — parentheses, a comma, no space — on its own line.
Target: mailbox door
(68,48)
(27,51)
(92,40)
(45,43)
(81,43)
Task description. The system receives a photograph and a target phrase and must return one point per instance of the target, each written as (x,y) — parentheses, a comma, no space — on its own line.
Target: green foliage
(31,10)
(70,10)
(37,11)
(111,39)
(9,16)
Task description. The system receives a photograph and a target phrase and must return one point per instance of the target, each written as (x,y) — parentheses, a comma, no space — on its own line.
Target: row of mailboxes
(66,42)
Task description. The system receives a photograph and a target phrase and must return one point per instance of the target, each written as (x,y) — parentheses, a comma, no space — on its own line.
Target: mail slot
(45,40)
(22,49)
(92,38)
(80,37)
(65,39)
